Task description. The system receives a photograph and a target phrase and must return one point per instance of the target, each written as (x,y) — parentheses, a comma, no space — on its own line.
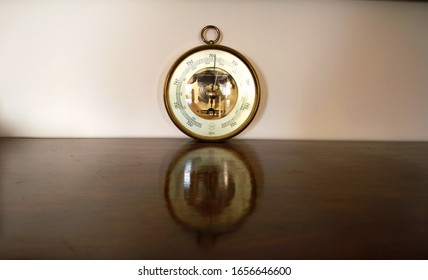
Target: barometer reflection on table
(210,190)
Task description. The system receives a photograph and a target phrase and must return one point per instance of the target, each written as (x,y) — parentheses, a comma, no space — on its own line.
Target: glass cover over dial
(211,93)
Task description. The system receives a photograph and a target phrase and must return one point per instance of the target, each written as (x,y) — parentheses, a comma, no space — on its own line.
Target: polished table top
(241,199)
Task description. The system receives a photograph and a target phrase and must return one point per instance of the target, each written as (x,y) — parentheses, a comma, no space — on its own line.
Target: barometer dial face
(212,92)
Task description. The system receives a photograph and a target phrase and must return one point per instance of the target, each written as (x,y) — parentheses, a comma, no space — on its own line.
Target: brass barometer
(211,92)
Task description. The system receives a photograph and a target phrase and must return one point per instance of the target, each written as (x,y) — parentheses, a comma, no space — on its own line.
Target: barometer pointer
(213,93)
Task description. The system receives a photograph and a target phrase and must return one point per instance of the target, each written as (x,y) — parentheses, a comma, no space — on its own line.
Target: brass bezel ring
(205,29)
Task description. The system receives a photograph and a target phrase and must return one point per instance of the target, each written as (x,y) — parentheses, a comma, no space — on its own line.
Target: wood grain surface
(242,199)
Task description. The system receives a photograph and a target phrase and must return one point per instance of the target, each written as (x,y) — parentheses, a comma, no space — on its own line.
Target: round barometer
(211,92)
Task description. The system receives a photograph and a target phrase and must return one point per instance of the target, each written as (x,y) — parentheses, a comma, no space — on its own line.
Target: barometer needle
(212,94)
(216,73)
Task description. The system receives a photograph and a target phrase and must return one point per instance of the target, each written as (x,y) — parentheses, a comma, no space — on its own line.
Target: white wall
(330,69)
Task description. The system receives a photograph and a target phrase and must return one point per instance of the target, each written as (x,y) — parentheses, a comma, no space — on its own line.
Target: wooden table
(242,199)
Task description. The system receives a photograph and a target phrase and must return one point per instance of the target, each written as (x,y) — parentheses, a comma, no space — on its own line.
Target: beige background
(348,70)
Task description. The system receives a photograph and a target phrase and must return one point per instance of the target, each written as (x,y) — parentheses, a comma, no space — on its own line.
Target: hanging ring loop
(205,29)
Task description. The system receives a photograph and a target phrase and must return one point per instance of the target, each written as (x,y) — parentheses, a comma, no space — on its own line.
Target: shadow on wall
(5,130)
